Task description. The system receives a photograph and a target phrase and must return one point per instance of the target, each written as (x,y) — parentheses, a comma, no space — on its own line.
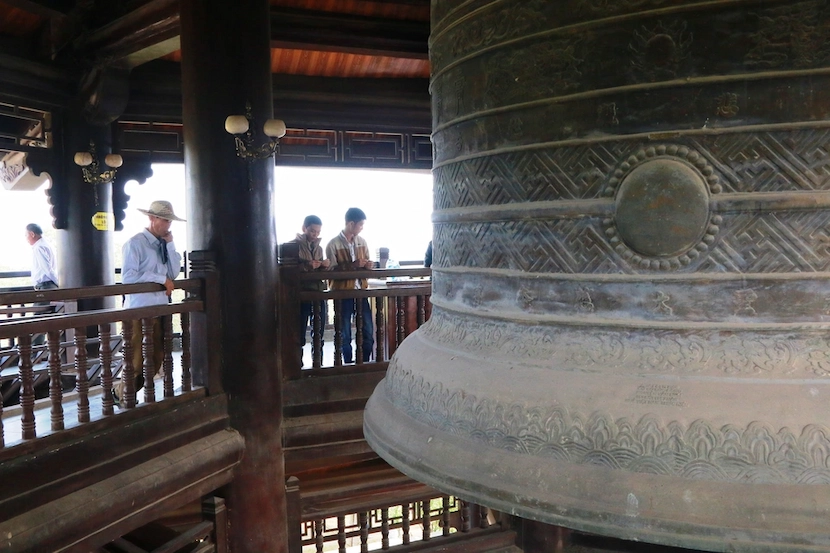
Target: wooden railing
(15,281)
(419,518)
(399,303)
(92,341)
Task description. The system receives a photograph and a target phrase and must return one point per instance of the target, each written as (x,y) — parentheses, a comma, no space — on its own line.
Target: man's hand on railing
(169,285)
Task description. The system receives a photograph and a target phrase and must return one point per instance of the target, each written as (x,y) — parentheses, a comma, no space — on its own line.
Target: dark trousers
(305,319)
(346,329)
(40,339)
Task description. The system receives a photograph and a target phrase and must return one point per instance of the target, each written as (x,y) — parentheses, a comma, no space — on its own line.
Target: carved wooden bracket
(137,169)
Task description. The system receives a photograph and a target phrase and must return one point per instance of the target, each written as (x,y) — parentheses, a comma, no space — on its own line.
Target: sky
(398,206)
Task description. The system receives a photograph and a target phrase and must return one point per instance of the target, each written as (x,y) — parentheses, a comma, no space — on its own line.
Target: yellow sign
(102,220)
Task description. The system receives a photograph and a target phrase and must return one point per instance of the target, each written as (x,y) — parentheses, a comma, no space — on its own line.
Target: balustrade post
(405,523)
(105,350)
(319,528)
(294,514)
(213,508)
(364,531)
(358,336)
(53,341)
(147,351)
(380,329)
(2,430)
(205,326)
(400,326)
(27,389)
(341,534)
(384,528)
(421,310)
(167,364)
(289,311)
(316,335)
(128,371)
(338,335)
(426,520)
(465,516)
(445,515)
(81,379)
(187,378)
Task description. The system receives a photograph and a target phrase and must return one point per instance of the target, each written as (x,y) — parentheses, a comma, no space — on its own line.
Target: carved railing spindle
(341,534)
(105,332)
(319,528)
(27,386)
(147,351)
(53,342)
(316,336)
(405,523)
(2,430)
(358,336)
(445,515)
(465,516)
(167,324)
(363,517)
(81,380)
(128,371)
(384,528)
(380,330)
(187,376)
(400,326)
(338,335)
(426,520)
(422,310)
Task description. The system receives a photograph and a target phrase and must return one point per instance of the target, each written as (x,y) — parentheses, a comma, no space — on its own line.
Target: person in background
(347,251)
(150,256)
(44,273)
(428,256)
(311,259)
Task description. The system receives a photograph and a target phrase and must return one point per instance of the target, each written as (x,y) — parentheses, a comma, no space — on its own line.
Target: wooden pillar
(226,63)
(86,253)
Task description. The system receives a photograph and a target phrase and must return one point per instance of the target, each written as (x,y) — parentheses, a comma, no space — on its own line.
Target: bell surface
(630,331)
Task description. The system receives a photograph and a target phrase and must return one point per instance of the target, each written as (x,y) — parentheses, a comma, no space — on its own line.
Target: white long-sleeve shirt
(142,263)
(43,263)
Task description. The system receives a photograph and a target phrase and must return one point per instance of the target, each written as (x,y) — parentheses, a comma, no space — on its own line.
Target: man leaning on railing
(150,256)
(348,251)
(311,259)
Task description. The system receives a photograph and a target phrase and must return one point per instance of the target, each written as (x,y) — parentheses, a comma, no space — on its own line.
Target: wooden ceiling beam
(43,8)
(147,33)
(346,33)
(152,31)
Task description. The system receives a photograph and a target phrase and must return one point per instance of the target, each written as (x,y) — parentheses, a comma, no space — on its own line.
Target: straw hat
(162,210)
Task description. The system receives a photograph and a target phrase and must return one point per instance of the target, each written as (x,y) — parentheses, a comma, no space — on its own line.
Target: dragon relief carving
(659,52)
(727,105)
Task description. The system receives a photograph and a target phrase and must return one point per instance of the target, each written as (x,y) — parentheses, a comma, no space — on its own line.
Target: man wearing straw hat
(150,256)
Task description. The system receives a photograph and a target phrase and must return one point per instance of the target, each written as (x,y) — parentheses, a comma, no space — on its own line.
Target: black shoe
(115,400)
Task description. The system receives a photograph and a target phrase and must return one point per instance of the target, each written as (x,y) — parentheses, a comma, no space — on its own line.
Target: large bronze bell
(631,323)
